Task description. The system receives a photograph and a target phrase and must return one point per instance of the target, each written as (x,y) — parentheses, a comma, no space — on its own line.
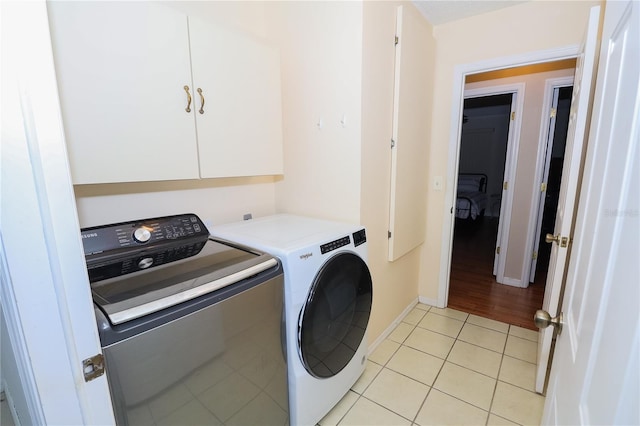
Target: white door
(595,378)
(506,197)
(46,300)
(551,131)
(580,104)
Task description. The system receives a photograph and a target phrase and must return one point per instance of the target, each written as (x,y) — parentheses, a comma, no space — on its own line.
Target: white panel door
(551,131)
(45,293)
(407,210)
(121,69)
(237,77)
(580,104)
(595,378)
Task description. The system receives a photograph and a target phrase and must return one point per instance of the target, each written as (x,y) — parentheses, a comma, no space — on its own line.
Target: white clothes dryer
(328,295)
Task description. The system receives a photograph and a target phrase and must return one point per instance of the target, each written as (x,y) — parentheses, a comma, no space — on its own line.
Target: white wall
(215,201)
(321,51)
(526,27)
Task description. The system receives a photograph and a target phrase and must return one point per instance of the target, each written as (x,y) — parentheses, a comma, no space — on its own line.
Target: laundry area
(241,213)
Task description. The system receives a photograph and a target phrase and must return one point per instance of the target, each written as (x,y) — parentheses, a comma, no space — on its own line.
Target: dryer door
(334,319)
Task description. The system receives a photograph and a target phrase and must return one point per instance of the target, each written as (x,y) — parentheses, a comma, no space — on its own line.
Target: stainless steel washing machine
(191,327)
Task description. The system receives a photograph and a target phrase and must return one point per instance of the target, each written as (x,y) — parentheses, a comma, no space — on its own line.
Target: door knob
(550,238)
(561,241)
(542,319)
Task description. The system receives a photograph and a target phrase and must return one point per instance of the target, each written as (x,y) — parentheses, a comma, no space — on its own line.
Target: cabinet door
(121,70)
(240,129)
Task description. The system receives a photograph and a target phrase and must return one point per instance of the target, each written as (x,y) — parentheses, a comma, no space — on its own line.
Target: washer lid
(202,266)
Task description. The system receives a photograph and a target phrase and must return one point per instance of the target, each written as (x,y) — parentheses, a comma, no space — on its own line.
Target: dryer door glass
(334,319)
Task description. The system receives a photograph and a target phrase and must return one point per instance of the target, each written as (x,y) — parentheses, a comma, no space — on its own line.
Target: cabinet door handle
(201,111)
(188,108)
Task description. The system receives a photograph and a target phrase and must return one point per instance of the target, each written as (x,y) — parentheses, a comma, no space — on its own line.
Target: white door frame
(460,72)
(545,145)
(513,143)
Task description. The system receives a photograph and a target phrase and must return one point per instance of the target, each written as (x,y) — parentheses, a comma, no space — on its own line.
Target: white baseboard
(513,282)
(392,326)
(430,302)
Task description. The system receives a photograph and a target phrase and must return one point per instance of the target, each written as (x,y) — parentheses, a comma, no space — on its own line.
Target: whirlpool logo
(306,256)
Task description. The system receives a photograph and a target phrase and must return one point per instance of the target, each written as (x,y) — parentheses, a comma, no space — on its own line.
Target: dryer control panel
(359,237)
(336,244)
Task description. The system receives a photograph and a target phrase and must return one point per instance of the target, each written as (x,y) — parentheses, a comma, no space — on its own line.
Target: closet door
(122,68)
(240,124)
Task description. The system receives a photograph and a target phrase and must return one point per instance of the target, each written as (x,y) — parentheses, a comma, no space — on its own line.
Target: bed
(472,199)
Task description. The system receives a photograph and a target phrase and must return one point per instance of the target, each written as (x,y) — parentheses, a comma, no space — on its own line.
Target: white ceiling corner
(441,11)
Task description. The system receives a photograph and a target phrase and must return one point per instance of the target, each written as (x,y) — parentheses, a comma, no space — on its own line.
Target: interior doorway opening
(471,287)
(473,284)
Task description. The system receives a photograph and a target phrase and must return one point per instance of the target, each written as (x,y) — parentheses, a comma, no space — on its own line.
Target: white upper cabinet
(240,126)
(121,69)
(124,73)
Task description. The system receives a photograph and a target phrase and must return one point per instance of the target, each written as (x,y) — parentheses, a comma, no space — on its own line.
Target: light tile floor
(446,367)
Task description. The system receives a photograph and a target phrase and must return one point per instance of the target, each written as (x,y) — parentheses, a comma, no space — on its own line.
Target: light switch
(438,182)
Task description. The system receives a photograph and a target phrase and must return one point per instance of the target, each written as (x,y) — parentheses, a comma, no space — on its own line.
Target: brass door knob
(561,241)
(550,238)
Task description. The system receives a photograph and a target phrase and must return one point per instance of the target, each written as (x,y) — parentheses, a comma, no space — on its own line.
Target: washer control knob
(142,234)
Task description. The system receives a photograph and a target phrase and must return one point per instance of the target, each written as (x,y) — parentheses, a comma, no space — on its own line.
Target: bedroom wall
(515,30)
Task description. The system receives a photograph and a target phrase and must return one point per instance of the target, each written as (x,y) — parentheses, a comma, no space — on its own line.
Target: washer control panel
(142,233)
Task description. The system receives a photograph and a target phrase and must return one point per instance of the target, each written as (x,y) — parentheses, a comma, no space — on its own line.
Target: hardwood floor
(472,286)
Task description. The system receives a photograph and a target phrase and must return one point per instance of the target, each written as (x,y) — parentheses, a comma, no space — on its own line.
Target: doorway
(471,287)
(483,153)
(474,287)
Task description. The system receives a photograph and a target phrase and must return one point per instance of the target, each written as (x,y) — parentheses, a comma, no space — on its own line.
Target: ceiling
(441,11)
